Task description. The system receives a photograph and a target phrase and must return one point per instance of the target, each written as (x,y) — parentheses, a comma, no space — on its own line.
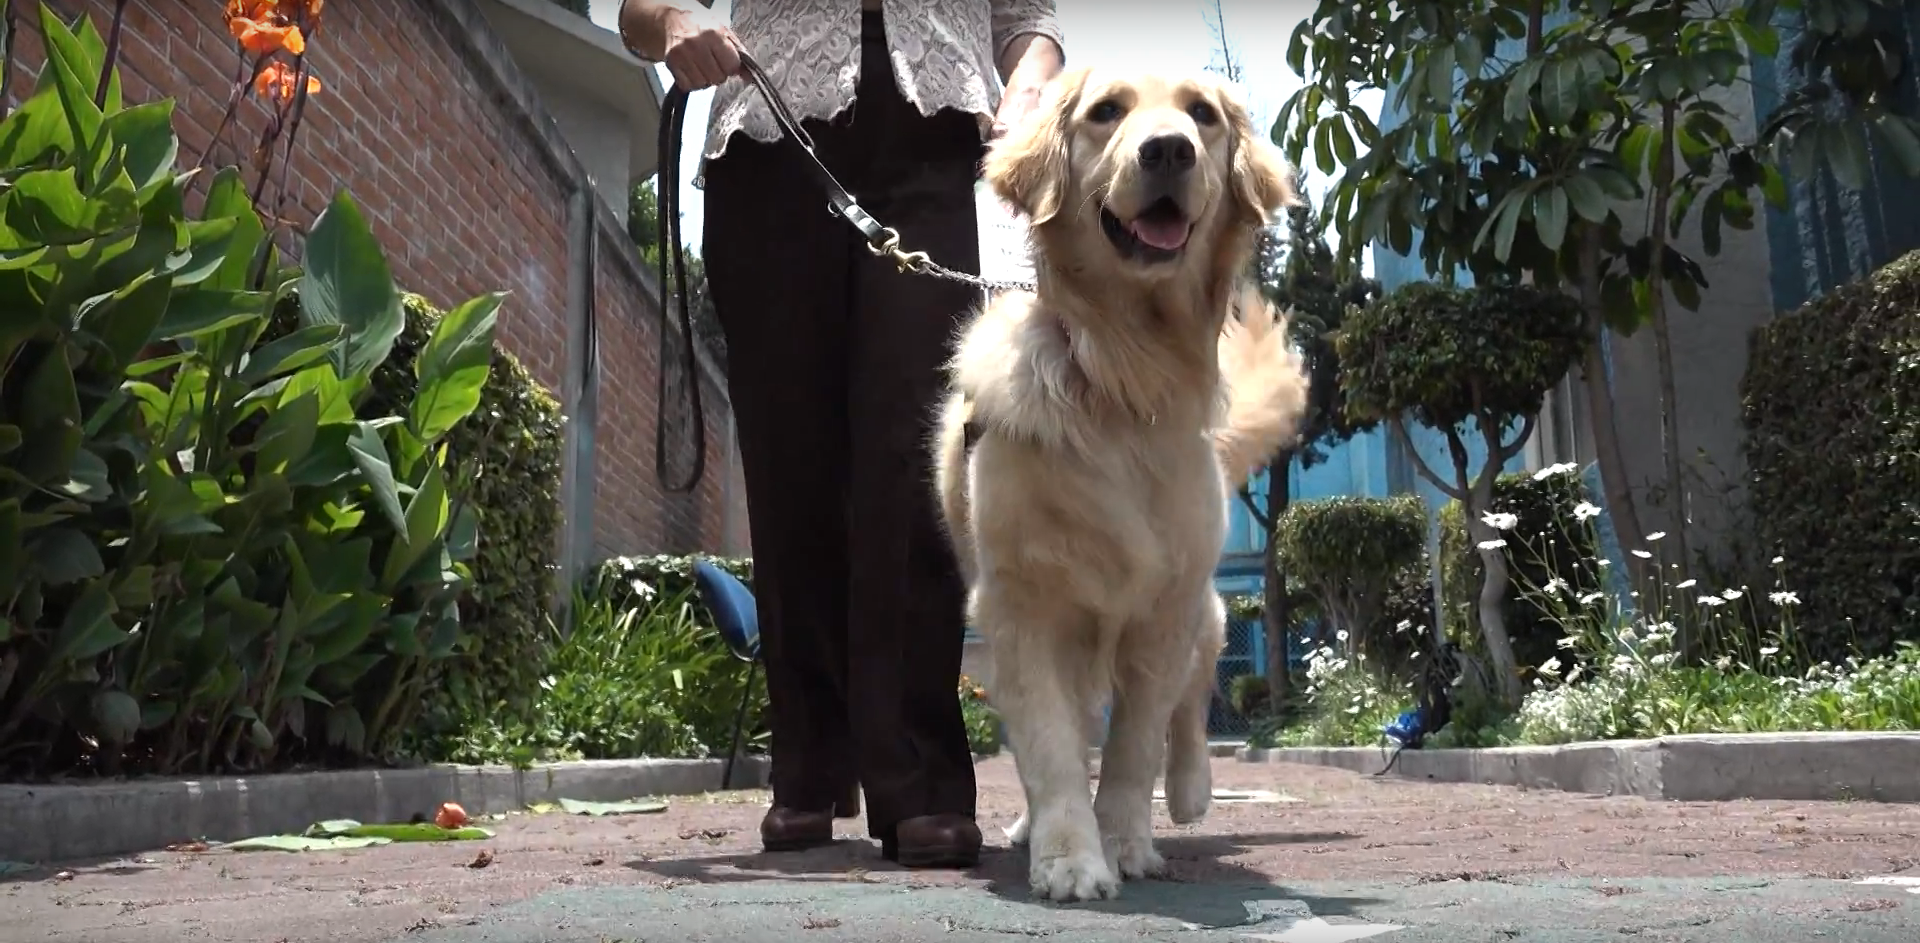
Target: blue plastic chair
(738,620)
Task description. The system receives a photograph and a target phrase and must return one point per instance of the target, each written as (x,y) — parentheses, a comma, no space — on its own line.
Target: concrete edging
(42,823)
(1872,766)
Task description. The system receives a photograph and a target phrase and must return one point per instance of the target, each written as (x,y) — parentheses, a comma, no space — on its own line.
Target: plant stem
(112,57)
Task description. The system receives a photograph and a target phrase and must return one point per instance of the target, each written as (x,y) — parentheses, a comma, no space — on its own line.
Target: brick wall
(453,178)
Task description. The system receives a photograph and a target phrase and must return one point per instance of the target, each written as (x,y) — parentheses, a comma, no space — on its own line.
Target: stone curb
(1695,768)
(60,822)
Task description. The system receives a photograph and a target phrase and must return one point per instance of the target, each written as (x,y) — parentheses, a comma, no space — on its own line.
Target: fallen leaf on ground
(481,860)
(63,876)
(188,846)
(306,843)
(403,832)
(630,807)
(1238,796)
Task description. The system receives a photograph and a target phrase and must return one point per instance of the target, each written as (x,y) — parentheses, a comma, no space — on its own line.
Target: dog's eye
(1104,112)
(1203,114)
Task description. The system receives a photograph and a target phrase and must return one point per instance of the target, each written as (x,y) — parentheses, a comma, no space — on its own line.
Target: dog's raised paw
(1135,858)
(1189,793)
(1072,878)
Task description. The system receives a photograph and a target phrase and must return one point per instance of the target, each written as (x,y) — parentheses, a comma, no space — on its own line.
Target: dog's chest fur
(1120,497)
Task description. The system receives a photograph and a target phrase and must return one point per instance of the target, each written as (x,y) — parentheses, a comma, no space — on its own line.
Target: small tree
(1305,280)
(643,215)
(1452,358)
(1525,167)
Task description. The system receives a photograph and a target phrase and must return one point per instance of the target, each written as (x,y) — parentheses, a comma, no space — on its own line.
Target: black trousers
(835,373)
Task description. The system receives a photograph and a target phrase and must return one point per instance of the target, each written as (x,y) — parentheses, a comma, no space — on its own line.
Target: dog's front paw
(1018,833)
(1082,876)
(1135,858)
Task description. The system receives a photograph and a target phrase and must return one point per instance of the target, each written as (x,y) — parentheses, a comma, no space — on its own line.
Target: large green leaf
(117,714)
(131,318)
(47,206)
(145,132)
(50,418)
(88,629)
(227,199)
(73,73)
(62,555)
(370,457)
(302,348)
(288,433)
(452,367)
(347,282)
(426,521)
(203,312)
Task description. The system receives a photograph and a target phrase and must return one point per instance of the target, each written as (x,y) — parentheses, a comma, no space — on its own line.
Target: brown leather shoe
(787,829)
(934,841)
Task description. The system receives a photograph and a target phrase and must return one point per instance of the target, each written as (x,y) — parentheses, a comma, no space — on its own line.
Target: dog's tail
(1266,388)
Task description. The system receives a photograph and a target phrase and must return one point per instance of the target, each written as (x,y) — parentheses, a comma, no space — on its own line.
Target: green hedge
(505,461)
(1549,542)
(1364,560)
(1832,416)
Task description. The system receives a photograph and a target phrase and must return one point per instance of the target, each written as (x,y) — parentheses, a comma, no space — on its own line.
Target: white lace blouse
(945,55)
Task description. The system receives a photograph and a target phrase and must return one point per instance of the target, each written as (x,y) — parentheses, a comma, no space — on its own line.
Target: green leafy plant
(1455,359)
(1570,142)
(503,463)
(627,682)
(217,558)
(1551,552)
(1364,562)
(981,720)
(1832,416)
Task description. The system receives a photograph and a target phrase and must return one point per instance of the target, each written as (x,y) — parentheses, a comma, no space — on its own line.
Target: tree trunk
(1276,612)
(1606,435)
(1494,580)
(1663,348)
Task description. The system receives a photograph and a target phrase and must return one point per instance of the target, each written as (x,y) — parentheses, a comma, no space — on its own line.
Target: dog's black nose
(1167,152)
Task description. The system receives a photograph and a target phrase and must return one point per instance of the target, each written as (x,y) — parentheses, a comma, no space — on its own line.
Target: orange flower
(276,80)
(262,38)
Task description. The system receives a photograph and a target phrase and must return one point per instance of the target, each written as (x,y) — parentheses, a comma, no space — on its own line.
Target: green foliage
(1551,552)
(1316,294)
(504,462)
(635,581)
(1528,128)
(981,720)
(1364,561)
(217,556)
(1441,355)
(624,683)
(1832,416)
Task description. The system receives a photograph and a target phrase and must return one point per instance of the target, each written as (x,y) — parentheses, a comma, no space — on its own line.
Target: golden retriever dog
(1094,434)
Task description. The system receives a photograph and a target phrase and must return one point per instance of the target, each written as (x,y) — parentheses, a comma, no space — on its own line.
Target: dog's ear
(1262,182)
(1028,168)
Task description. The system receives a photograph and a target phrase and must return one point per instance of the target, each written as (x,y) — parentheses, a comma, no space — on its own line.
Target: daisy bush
(1616,671)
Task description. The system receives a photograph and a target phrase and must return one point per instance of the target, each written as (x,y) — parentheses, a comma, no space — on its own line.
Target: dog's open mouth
(1157,234)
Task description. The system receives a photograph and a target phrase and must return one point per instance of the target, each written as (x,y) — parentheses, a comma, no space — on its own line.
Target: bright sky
(1173,36)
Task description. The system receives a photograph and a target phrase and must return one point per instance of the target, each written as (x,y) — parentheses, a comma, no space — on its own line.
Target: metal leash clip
(889,247)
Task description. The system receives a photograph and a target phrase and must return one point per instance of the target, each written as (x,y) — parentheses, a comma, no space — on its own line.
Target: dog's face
(1156,172)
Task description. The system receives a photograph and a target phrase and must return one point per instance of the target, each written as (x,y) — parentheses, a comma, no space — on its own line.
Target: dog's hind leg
(1189,761)
(1040,676)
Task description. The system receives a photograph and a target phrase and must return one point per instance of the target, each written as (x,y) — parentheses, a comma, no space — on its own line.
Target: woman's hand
(701,51)
(1015,104)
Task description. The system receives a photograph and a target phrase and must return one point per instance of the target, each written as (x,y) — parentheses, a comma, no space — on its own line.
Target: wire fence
(1245,654)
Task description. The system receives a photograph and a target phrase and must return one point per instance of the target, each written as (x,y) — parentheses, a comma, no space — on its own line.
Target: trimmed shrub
(505,463)
(1832,415)
(1550,542)
(1364,560)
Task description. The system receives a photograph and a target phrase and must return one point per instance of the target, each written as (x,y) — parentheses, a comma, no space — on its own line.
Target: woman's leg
(906,599)
(777,269)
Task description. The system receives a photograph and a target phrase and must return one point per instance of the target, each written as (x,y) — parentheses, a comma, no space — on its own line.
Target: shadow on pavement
(1203,885)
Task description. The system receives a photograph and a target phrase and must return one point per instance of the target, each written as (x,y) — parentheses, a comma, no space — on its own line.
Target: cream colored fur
(1122,403)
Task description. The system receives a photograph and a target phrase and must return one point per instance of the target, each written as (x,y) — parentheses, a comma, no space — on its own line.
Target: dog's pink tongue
(1160,233)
